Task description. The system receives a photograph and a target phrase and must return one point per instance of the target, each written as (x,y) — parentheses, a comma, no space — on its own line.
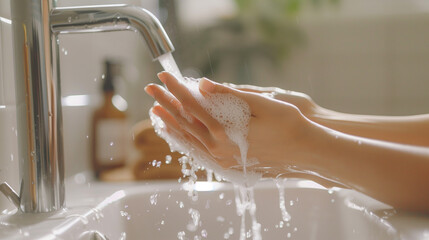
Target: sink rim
(89,198)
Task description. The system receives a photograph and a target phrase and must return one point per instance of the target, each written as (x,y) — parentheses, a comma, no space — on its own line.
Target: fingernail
(149,91)
(155,110)
(162,76)
(207,86)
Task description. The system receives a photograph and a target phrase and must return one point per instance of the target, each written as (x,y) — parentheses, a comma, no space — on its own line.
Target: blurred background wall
(356,56)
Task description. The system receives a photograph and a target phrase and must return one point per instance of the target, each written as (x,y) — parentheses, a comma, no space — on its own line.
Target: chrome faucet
(36,25)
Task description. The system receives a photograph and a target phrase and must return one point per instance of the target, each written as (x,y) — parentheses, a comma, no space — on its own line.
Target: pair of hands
(282,137)
(278,129)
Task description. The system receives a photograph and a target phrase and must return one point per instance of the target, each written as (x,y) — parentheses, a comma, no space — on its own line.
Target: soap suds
(234,115)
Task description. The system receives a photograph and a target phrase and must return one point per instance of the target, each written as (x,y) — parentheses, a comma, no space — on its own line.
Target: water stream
(220,107)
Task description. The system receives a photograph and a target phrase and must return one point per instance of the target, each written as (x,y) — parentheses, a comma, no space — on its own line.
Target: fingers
(175,112)
(166,117)
(213,87)
(252,98)
(251,88)
(189,103)
(174,127)
(164,98)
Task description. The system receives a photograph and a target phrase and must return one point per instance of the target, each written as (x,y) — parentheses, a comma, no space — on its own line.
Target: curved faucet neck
(36,25)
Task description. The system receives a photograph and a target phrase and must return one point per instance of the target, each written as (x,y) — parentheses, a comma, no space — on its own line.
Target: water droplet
(69,19)
(221,196)
(123,213)
(291,203)
(204,233)
(181,235)
(123,236)
(103,76)
(154,198)
(288,235)
(168,159)
(111,144)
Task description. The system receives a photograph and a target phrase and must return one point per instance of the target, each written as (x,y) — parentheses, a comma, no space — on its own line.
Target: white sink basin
(161,210)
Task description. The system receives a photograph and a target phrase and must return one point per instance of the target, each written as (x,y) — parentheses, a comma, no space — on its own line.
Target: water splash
(222,107)
(280,185)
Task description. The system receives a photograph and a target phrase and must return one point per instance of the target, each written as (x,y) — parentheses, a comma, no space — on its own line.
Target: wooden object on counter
(151,147)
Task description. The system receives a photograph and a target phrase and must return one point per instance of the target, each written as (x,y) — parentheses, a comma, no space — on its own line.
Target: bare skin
(285,135)
(412,130)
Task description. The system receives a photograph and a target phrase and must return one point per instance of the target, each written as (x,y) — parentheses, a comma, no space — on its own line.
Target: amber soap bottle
(109,128)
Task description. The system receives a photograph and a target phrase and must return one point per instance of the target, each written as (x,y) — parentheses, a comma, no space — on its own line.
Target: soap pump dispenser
(109,127)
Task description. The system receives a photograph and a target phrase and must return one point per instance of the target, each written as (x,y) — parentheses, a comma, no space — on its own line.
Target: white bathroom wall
(361,56)
(376,64)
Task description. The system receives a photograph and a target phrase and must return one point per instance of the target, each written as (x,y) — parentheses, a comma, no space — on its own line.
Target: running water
(280,185)
(234,115)
(169,65)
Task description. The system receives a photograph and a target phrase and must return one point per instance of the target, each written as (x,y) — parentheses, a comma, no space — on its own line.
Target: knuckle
(186,102)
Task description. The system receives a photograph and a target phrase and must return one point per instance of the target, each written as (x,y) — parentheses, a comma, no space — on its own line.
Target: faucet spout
(116,17)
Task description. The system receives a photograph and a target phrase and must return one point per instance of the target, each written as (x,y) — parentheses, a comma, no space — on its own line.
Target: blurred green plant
(260,29)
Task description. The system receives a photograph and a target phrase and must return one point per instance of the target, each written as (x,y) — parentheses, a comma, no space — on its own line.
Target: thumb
(208,86)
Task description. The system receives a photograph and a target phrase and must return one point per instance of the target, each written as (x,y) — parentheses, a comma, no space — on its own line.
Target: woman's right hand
(279,135)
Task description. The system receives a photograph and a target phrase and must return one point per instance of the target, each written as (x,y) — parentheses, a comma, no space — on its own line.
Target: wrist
(315,148)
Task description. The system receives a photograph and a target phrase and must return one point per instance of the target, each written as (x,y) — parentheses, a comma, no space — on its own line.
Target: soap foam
(233,114)
(230,111)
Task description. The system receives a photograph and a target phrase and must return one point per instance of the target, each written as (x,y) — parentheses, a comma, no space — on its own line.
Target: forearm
(392,173)
(412,130)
